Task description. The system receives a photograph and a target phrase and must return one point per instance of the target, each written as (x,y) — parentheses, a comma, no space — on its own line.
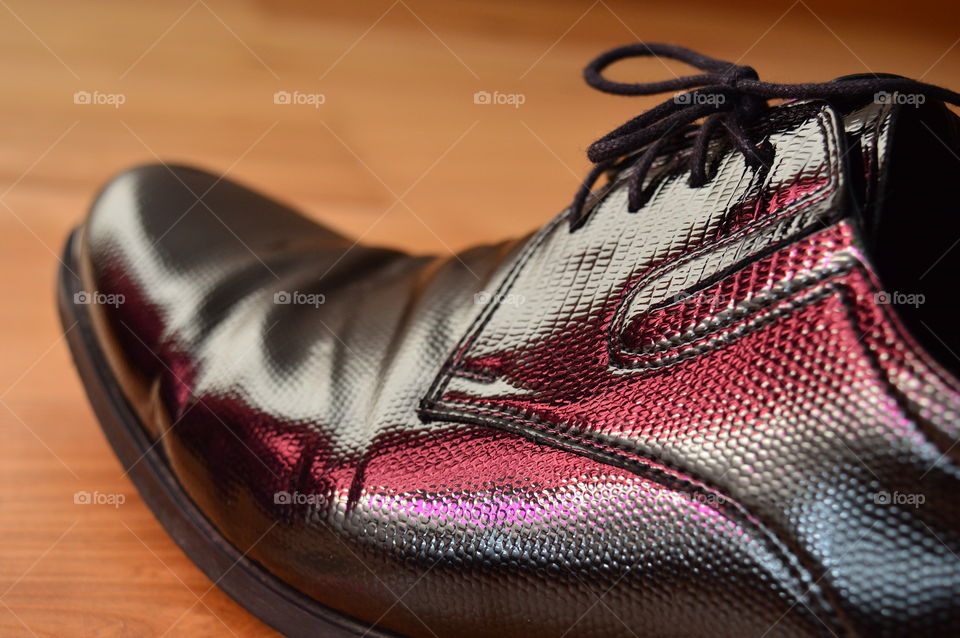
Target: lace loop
(727,96)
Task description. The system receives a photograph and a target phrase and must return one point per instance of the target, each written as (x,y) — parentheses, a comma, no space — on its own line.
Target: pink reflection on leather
(813,294)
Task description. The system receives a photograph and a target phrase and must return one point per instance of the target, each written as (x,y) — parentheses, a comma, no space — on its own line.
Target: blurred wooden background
(197,80)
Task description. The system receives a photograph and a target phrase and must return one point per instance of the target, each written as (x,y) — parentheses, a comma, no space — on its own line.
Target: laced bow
(727,96)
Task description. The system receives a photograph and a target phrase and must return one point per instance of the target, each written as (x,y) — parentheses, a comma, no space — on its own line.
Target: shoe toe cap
(170,250)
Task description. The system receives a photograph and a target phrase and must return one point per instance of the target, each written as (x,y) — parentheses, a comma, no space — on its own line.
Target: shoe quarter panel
(734,338)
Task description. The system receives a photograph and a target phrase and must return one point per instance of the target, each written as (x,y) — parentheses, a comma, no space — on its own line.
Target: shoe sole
(243,579)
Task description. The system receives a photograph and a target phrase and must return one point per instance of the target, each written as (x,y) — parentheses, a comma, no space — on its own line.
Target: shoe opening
(913,233)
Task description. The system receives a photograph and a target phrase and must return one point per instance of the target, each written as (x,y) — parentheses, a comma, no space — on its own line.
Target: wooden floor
(398,152)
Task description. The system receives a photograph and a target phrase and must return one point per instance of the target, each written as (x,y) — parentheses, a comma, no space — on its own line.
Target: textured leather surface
(675,422)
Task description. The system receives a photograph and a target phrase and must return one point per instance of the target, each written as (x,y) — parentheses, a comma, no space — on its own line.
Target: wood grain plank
(198,80)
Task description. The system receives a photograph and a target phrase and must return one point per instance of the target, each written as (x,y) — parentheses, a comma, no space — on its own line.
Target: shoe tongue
(886,127)
(911,223)
(910,142)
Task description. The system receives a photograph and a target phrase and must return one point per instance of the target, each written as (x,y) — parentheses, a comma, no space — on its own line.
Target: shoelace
(726,94)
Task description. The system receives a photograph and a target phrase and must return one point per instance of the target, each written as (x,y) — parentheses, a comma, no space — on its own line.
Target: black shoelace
(726,94)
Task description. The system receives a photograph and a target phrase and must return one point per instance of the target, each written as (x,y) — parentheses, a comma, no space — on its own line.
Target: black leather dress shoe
(716,396)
